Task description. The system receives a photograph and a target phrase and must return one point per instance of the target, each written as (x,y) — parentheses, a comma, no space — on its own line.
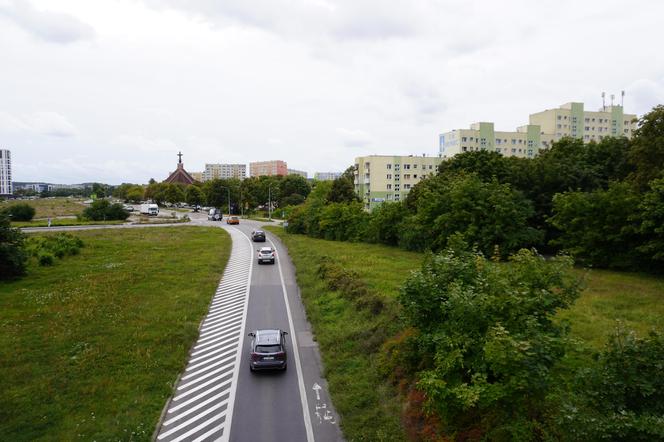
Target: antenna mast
(603,103)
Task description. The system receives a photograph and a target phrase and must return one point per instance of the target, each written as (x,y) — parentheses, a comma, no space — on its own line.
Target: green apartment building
(381,178)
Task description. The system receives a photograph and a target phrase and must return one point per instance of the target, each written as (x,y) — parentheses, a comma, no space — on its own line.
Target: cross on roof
(179,157)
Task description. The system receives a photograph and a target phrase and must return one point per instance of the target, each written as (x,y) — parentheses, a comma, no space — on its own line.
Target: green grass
(91,347)
(55,222)
(370,409)
(52,207)
(349,338)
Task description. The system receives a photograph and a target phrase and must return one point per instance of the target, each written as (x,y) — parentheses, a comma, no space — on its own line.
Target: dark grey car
(268,350)
(258,236)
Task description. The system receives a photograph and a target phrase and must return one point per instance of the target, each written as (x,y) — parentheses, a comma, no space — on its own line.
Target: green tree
(651,224)
(103,210)
(343,191)
(598,227)
(385,223)
(13,256)
(194,196)
(135,194)
(174,193)
(343,222)
(20,212)
(487,339)
(293,190)
(647,152)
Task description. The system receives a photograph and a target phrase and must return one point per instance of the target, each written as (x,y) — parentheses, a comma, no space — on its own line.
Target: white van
(149,209)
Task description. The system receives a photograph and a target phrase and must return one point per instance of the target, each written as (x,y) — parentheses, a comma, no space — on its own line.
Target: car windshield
(266,252)
(258,232)
(268,348)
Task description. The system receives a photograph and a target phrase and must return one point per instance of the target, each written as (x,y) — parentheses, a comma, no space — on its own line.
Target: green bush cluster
(20,212)
(47,248)
(103,210)
(13,255)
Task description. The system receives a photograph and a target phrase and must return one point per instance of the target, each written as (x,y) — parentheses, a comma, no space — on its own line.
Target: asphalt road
(283,406)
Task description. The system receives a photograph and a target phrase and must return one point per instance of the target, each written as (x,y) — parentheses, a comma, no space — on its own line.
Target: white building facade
(224,171)
(6,172)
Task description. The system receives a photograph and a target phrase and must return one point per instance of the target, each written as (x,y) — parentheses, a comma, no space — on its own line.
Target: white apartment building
(380,178)
(5,172)
(568,120)
(224,171)
(302,173)
(327,176)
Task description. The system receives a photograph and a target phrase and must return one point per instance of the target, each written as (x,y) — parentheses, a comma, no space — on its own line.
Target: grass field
(55,222)
(369,408)
(90,348)
(51,207)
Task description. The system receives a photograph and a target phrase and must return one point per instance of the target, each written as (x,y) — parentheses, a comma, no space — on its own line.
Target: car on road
(268,350)
(214,215)
(258,236)
(196,208)
(128,208)
(233,220)
(266,254)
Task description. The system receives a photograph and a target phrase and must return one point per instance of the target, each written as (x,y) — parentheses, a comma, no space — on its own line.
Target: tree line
(601,202)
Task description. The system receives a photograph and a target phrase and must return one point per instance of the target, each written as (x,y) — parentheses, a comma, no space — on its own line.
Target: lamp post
(228,190)
(269,202)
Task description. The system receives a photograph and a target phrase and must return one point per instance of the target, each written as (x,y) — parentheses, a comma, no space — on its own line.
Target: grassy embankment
(369,407)
(90,348)
(59,222)
(51,207)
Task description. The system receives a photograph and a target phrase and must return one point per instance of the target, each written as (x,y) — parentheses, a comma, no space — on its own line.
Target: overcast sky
(111,90)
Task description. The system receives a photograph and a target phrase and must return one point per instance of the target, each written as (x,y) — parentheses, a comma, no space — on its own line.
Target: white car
(266,254)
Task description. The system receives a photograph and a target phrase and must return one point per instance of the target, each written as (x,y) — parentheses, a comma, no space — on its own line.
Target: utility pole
(269,202)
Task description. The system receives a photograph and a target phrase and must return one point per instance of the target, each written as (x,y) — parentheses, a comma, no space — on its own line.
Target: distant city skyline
(108,92)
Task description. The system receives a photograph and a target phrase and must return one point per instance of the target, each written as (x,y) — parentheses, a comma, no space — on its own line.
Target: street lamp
(228,190)
(269,202)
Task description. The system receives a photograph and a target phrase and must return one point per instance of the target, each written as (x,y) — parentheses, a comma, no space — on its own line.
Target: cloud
(354,137)
(144,144)
(49,26)
(644,94)
(40,123)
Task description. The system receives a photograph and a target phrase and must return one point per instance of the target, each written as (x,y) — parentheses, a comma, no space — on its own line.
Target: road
(217,397)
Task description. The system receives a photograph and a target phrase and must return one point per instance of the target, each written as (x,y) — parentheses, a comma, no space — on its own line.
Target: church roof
(180,175)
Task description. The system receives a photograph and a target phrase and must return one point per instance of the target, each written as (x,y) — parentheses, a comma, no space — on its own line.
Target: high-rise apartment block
(5,172)
(268,168)
(380,178)
(327,176)
(301,173)
(224,171)
(568,120)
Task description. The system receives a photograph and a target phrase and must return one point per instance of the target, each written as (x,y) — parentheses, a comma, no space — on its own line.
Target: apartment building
(380,178)
(224,171)
(268,168)
(301,173)
(568,120)
(327,176)
(525,142)
(571,120)
(5,172)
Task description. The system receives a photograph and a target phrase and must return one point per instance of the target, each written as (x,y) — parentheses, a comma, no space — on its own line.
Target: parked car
(196,208)
(233,220)
(214,215)
(266,254)
(258,236)
(128,208)
(268,350)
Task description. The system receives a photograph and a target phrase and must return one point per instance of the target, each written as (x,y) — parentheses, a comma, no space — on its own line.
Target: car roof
(266,249)
(268,337)
(258,231)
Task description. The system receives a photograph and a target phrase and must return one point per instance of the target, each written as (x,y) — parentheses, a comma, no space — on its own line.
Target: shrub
(487,339)
(45,259)
(20,212)
(13,255)
(58,246)
(103,210)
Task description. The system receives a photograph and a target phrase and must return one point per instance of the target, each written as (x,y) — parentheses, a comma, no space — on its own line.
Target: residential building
(198,176)
(224,171)
(5,172)
(525,142)
(571,120)
(568,120)
(327,176)
(380,178)
(302,173)
(268,168)
(36,187)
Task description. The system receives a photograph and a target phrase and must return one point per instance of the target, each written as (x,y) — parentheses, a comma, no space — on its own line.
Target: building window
(389,166)
(498,140)
(414,176)
(406,166)
(513,150)
(464,149)
(560,117)
(464,138)
(406,186)
(389,176)
(406,176)
(389,187)
(414,166)
(513,141)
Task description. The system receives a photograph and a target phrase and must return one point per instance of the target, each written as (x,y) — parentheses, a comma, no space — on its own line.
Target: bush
(20,212)
(487,339)
(45,259)
(103,210)
(621,397)
(46,248)
(13,255)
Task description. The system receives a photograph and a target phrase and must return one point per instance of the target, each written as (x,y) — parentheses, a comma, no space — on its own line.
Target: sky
(110,91)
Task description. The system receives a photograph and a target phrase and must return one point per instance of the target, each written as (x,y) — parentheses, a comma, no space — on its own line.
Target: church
(180,176)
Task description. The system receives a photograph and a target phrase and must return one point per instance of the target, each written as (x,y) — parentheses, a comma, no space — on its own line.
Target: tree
(293,185)
(194,196)
(135,194)
(343,222)
(13,256)
(598,227)
(651,224)
(173,193)
(386,223)
(343,191)
(647,152)
(20,212)
(487,339)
